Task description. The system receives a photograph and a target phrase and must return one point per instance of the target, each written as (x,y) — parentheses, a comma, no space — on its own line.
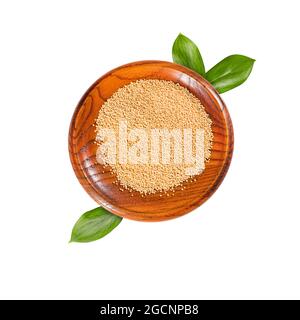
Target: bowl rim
(229,143)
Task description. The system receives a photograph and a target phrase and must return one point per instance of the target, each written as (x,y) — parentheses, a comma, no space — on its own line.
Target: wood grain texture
(98,181)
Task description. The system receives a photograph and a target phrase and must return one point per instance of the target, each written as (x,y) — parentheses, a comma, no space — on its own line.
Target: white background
(243,243)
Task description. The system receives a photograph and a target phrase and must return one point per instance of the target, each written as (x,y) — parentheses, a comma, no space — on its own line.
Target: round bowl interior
(98,180)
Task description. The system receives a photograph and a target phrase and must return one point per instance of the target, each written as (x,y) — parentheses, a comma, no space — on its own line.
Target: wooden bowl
(98,181)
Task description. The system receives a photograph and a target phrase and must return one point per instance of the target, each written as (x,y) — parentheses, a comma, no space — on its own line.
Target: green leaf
(186,53)
(93,225)
(230,72)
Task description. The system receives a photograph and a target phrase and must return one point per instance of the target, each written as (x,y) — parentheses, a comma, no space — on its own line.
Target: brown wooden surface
(98,181)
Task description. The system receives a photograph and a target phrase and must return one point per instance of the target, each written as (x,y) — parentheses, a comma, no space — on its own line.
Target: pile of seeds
(152,104)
